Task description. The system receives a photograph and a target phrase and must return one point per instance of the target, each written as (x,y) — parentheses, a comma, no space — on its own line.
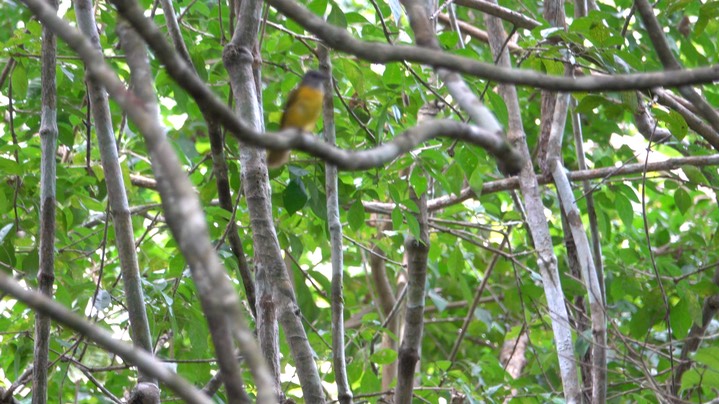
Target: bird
(302,109)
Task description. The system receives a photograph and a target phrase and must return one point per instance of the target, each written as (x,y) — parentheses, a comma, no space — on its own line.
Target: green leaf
(476,181)
(676,124)
(467,159)
(294,196)
(695,175)
(553,68)
(318,7)
(583,342)
(318,200)
(456,261)
(680,319)
(455,177)
(336,16)
(418,181)
(498,107)
(413,225)
(19,82)
(624,209)
(199,62)
(708,12)
(708,356)
(394,191)
(682,200)
(589,103)
(356,215)
(384,356)
(392,76)
(397,219)
(691,378)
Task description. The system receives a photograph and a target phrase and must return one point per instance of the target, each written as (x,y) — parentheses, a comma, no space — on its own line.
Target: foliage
(655,225)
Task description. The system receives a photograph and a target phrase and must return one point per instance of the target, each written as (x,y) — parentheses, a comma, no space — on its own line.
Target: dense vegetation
(656,223)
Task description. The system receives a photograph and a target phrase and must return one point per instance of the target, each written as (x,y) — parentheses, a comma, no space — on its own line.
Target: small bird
(302,110)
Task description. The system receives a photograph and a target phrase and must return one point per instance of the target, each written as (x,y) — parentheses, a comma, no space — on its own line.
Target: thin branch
(276,301)
(537,224)
(583,251)
(656,35)
(292,138)
(475,302)
(589,197)
(476,33)
(341,40)
(517,19)
(335,230)
(48,145)
(507,184)
(143,360)
(655,268)
(117,196)
(669,100)
(219,163)
(6,71)
(218,298)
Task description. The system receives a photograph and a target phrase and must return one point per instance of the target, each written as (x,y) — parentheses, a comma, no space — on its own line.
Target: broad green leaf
(199,62)
(455,178)
(682,200)
(356,215)
(418,181)
(680,319)
(708,356)
(624,209)
(695,175)
(589,103)
(384,356)
(413,225)
(476,181)
(397,218)
(19,82)
(318,6)
(337,16)
(467,159)
(294,196)
(675,123)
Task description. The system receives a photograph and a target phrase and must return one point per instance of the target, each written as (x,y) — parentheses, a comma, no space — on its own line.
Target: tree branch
(512,183)
(656,34)
(117,196)
(583,251)
(184,216)
(537,224)
(137,357)
(335,229)
(46,238)
(517,19)
(343,159)
(276,302)
(341,40)
(417,251)
(219,163)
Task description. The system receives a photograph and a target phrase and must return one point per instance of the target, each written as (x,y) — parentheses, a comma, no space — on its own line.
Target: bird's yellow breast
(303,109)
